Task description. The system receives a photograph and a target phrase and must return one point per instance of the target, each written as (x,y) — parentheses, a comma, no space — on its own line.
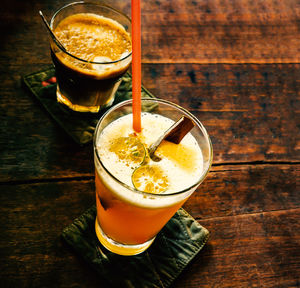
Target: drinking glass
(84,85)
(128,220)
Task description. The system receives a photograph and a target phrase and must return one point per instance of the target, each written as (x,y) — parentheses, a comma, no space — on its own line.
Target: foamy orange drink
(98,54)
(135,195)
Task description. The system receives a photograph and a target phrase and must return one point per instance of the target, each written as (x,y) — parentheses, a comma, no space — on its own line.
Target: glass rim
(198,123)
(95,4)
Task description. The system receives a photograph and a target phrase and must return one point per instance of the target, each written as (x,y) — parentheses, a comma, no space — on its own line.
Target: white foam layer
(182,171)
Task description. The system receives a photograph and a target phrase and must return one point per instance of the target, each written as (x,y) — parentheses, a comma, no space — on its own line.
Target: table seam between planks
(248,214)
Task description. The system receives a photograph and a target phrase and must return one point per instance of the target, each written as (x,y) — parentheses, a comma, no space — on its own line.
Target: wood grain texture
(221,31)
(235,65)
(257,250)
(32,218)
(250,239)
(251,113)
(178,31)
(245,189)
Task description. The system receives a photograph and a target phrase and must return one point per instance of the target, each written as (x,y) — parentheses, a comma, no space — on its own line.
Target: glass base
(118,248)
(75,107)
(79,108)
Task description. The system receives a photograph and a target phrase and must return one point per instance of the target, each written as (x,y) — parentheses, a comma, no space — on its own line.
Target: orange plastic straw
(136,63)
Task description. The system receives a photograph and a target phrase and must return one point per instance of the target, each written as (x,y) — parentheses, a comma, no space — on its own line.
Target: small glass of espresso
(97,42)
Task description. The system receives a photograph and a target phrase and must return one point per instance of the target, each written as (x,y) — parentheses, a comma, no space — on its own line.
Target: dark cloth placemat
(80,126)
(174,247)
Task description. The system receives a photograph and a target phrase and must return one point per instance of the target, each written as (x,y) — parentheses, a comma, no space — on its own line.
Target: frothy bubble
(102,67)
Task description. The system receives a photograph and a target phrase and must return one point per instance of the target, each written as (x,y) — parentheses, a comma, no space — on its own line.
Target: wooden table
(236,66)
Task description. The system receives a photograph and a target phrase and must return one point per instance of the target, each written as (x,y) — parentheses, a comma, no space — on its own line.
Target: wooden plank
(178,31)
(261,246)
(225,31)
(227,191)
(34,146)
(250,111)
(257,250)
(32,219)
(235,190)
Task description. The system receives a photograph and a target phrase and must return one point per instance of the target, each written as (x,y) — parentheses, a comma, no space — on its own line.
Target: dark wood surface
(236,66)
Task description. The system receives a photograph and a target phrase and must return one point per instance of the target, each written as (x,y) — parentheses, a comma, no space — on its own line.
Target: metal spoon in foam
(55,39)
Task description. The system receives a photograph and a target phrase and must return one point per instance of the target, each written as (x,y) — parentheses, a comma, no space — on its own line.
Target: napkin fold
(80,126)
(174,247)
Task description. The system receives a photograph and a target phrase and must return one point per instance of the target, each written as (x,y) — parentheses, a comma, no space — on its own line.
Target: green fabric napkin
(174,247)
(80,126)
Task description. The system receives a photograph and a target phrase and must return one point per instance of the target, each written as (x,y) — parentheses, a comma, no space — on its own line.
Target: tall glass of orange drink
(135,195)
